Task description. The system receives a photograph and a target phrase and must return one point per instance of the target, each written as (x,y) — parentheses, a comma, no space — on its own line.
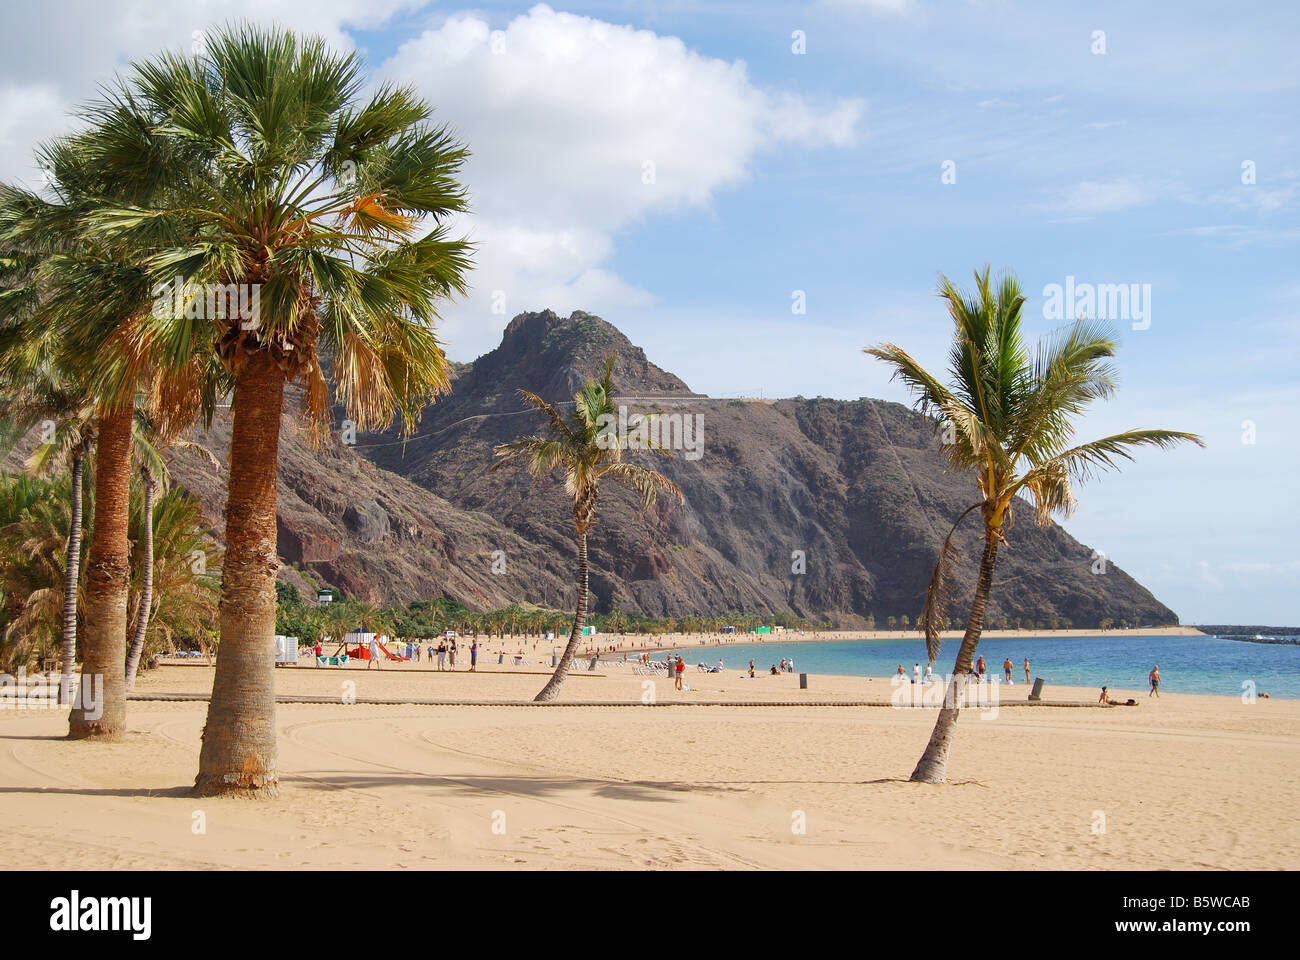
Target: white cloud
(1261,199)
(1090,198)
(893,8)
(579,128)
(53,56)
(1238,234)
(28,114)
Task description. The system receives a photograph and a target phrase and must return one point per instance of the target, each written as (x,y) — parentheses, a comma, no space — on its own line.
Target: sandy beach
(1181,782)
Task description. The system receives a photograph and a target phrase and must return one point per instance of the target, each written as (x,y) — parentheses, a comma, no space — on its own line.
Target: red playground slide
(362,652)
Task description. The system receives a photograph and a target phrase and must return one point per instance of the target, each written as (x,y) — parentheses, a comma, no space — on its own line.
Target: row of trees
(257,164)
(425,619)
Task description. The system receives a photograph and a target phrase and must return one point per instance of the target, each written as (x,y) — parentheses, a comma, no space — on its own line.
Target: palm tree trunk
(146,585)
(100,711)
(72,575)
(932,767)
(552,688)
(238,753)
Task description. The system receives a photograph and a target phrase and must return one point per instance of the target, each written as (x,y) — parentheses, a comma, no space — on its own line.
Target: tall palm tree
(80,299)
(278,179)
(1007,416)
(585,450)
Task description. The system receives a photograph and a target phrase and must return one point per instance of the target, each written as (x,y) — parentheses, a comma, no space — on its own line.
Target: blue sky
(821,172)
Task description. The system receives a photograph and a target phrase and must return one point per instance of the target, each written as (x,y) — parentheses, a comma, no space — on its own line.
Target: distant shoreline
(674,641)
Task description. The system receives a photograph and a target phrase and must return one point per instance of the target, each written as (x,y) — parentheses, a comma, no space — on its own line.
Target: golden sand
(1184,781)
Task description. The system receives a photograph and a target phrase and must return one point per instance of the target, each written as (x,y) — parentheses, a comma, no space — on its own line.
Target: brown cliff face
(852,491)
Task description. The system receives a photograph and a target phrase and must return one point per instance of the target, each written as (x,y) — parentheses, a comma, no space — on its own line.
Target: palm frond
(647,483)
(930,393)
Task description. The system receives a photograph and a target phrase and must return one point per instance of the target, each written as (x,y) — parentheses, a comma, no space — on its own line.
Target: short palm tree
(276,177)
(1007,416)
(172,597)
(38,394)
(585,450)
(150,443)
(34,519)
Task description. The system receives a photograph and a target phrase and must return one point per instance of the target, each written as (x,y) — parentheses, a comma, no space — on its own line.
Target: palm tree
(1007,416)
(585,450)
(335,621)
(33,561)
(276,179)
(181,600)
(80,310)
(149,444)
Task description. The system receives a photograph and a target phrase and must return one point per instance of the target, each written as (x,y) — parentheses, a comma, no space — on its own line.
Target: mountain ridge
(855,486)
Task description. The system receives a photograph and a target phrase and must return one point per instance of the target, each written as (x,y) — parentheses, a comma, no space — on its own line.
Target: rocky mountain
(343,522)
(829,509)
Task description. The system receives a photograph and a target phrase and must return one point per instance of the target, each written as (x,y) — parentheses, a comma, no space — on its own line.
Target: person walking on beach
(790,664)
(442,654)
(374,654)
(473,656)
(783,664)
(929,673)
(916,673)
(1026,669)
(681,668)
(981,667)
(1154,677)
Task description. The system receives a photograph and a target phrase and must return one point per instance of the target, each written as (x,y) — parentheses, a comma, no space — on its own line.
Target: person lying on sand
(1105,698)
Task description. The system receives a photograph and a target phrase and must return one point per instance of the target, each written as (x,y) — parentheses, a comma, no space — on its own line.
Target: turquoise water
(1191,664)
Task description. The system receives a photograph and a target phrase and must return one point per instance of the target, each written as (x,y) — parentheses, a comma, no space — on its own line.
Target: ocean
(1191,664)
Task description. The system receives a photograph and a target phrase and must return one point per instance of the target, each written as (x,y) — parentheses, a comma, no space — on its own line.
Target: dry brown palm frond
(938,595)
